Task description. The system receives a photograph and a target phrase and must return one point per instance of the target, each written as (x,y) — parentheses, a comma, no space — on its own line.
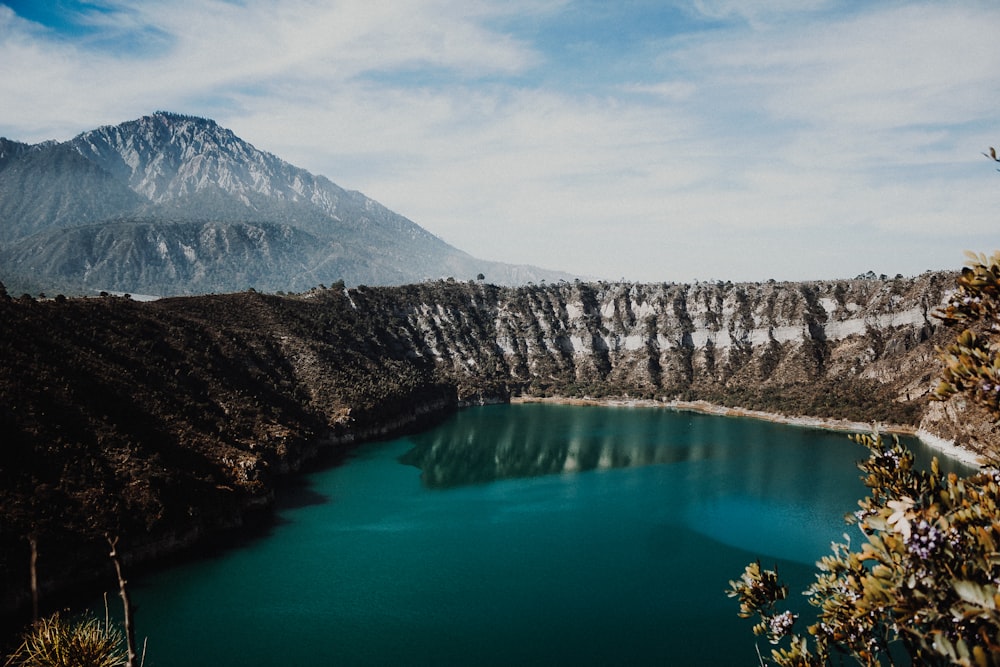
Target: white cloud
(786,142)
(211,48)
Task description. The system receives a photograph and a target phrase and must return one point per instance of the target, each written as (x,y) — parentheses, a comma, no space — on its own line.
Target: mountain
(141,255)
(174,204)
(10,150)
(166,422)
(52,186)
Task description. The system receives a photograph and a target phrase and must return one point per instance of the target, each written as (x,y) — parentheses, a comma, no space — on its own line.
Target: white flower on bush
(900,518)
(781,624)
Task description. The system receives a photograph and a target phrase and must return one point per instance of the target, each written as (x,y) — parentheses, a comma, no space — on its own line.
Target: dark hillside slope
(164,422)
(161,423)
(11,150)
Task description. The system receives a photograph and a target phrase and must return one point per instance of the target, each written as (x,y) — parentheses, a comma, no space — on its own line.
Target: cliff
(167,421)
(856,349)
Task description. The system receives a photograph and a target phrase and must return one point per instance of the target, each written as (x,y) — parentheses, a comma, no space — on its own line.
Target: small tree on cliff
(926,582)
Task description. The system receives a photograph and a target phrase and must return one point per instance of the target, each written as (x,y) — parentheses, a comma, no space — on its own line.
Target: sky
(642,140)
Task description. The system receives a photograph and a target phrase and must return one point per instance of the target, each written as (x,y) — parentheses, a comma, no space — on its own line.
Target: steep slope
(168,168)
(185,162)
(166,421)
(51,187)
(797,348)
(10,150)
(137,255)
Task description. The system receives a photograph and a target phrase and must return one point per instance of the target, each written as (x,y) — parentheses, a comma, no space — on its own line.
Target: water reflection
(450,462)
(485,446)
(482,449)
(626,567)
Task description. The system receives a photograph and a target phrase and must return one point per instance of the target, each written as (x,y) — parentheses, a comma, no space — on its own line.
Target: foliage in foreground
(926,582)
(58,642)
(972,362)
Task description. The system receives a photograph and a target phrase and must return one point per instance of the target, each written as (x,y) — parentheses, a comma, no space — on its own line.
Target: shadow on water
(299,495)
(368,566)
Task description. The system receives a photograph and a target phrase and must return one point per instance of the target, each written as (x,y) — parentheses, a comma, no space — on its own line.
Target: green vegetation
(925,584)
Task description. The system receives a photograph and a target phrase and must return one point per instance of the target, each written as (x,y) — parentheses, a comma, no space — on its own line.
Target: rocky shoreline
(165,549)
(167,421)
(943,445)
(241,521)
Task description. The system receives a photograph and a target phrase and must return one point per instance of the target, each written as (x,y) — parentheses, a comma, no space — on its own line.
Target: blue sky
(652,141)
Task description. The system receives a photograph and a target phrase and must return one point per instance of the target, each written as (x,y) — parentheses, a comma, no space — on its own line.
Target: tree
(925,583)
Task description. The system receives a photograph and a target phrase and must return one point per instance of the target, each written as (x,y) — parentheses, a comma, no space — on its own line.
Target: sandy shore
(946,447)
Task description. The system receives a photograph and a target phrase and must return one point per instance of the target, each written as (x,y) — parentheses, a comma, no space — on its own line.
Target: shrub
(972,362)
(83,642)
(926,581)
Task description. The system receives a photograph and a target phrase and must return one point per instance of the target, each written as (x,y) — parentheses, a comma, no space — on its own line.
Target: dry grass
(83,642)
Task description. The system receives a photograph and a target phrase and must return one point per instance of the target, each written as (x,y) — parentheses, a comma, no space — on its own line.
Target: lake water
(529,535)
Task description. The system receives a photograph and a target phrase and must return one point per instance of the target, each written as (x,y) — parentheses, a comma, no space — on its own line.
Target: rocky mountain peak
(72,214)
(11,149)
(167,155)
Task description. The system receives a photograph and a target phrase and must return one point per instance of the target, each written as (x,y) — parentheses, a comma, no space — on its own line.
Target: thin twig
(33,541)
(759,656)
(126,603)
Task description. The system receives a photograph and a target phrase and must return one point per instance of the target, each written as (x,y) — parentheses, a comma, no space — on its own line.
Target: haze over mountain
(174,204)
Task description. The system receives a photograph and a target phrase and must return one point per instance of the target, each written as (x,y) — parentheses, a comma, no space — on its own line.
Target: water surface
(519,535)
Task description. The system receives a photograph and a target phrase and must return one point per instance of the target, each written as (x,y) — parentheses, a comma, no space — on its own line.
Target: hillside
(168,421)
(104,211)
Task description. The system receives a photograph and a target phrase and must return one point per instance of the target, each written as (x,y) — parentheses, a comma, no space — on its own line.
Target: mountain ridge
(168,421)
(170,168)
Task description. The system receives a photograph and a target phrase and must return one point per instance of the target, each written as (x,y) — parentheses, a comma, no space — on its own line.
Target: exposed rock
(166,421)
(172,204)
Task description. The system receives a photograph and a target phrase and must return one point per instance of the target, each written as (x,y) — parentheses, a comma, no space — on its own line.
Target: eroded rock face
(167,421)
(863,350)
(858,349)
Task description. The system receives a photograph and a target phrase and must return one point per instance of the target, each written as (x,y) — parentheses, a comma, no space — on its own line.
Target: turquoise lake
(519,535)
